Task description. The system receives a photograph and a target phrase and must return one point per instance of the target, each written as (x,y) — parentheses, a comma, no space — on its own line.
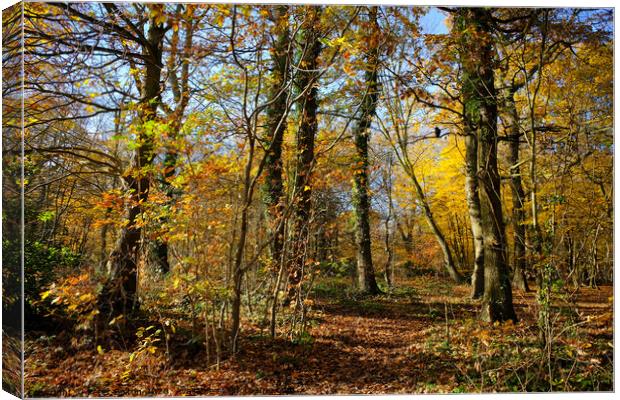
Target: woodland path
(386,344)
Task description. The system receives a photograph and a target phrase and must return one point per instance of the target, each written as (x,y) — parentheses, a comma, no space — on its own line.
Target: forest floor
(421,338)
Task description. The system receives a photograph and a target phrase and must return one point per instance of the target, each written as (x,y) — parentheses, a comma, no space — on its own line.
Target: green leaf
(46,216)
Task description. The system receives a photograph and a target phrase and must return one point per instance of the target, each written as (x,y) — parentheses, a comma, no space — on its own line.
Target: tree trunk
(471,121)
(389,268)
(448,260)
(180,91)
(103,239)
(305,148)
(238,271)
(473,206)
(118,295)
(476,53)
(159,249)
(518,211)
(272,188)
(406,237)
(361,198)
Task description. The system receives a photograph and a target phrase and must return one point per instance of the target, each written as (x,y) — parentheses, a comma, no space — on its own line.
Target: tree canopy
(198,175)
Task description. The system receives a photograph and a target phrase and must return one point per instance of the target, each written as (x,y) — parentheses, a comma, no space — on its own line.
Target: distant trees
(118,295)
(169,119)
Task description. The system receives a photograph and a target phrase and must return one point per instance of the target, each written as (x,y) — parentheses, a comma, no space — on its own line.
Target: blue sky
(434,22)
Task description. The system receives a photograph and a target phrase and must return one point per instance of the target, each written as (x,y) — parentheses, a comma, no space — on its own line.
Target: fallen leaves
(384,344)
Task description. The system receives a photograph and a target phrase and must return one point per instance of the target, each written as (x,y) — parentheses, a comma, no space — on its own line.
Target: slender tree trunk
(388,274)
(536,232)
(518,210)
(305,148)
(448,259)
(471,121)
(274,305)
(476,53)
(473,206)
(103,235)
(272,189)
(389,268)
(361,198)
(239,270)
(118,295)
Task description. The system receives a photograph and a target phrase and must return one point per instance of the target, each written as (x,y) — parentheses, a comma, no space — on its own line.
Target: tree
(476,53)
(397,133)
(118,295)
(307,86)
(472,189)
(276,126)
(273,188)
(184,22)
(518,195)
(361,131)
(388,270)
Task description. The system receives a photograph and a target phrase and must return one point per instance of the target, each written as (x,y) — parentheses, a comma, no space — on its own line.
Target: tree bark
(518,210)
(305,148)
(361,198)
(471,120)
(389,268)
(477,56)
(272,188)
(473,206)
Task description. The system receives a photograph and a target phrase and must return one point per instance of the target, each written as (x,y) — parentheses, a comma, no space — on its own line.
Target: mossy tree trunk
(473,202)
(361,131)
(307,85)
(473,28)
(277,110)
(272,188)
(518,195)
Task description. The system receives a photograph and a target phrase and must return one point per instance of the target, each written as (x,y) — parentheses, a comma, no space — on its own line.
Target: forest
(243,199)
